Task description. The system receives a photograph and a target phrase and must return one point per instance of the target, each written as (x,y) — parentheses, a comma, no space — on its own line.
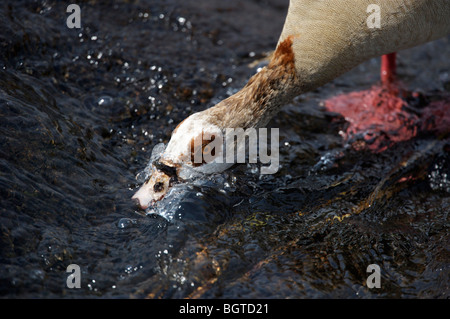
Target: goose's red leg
(388,65)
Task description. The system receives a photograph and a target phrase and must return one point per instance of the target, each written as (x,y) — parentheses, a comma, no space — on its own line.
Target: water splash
(439,176)
(143,175)
(126,223)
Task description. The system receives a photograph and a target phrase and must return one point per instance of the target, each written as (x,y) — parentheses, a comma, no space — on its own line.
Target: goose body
(320,41)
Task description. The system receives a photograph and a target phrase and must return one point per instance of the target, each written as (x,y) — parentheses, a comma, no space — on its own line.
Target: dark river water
(81,110)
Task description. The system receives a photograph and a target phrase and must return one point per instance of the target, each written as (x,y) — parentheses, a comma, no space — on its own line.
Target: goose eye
(158,187)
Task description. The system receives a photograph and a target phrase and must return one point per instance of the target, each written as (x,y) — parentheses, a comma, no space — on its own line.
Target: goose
(320,40)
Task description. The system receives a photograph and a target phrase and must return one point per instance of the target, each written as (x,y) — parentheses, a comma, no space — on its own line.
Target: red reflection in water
(379,117)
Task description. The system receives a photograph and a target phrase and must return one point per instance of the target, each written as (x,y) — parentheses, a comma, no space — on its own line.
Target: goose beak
(143,197)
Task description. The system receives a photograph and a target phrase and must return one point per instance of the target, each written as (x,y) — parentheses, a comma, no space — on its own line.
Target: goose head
(188,154)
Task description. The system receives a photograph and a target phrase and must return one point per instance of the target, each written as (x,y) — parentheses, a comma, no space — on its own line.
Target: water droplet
(126,223)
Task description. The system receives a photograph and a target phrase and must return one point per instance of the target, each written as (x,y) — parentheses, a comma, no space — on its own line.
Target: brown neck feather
(264,94)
